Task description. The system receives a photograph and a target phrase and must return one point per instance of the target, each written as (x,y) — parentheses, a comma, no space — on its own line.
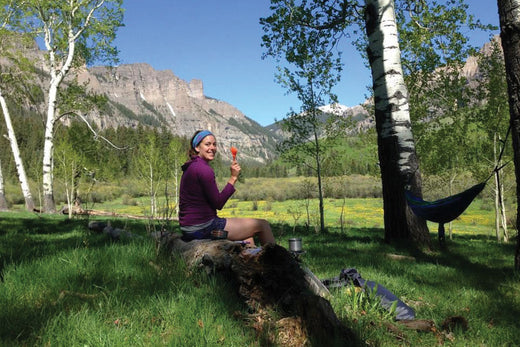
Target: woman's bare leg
(245,228)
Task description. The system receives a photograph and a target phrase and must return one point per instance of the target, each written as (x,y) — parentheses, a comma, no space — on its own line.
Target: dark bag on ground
(350,275)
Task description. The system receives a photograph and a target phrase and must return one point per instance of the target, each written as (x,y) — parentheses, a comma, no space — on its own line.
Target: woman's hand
(235,172)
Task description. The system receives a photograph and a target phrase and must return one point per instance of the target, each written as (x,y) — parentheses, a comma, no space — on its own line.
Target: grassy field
(62,285)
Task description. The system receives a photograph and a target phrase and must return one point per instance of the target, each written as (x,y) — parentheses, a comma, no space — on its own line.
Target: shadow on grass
(126,274)
(465,262)
(26,237)
(468,265)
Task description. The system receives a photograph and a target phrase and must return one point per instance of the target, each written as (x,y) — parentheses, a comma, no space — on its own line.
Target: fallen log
(77,210)
(269,278)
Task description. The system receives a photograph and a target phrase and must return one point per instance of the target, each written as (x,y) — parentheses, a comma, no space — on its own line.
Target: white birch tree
(311,76)
(151,168)
(12,71)
(509,14)
(337,20)
(397,157)
(69,164)
(492,117)
(3,200)
(174,159)
(73,32)
(500,208)
(11,136)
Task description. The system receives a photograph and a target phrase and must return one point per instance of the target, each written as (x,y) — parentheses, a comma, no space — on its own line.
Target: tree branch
(11,9)
(96,135)
(87,20)
(336,20)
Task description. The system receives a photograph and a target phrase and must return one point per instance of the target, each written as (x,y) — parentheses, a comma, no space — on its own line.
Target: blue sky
(219,42)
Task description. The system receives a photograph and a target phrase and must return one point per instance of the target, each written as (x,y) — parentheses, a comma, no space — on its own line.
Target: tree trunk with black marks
(396,147)
(509,14)
(17,157)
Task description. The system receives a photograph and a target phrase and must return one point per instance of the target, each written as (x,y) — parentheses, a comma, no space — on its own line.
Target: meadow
(62,285)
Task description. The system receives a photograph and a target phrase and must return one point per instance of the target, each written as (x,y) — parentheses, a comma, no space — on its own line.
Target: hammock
(444,210)
(447,209)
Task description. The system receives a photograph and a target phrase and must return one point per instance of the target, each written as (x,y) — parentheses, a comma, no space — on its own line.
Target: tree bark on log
(269,278)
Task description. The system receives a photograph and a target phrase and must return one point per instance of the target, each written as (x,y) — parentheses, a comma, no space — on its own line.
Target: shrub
(511,221)
(298,188)
(128,200)
(96,197)
(353,186)
(487,205)
(134,188)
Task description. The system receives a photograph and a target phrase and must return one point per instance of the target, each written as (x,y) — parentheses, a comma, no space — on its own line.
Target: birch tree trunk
(48,165)
(3,201)
(57,73)
(503,214)
(63,24)
(20,170)
(176,196)
(174,162)
(509,14)
(153,194)
(496,190)
(500,208)
(450,193)
(396,148)
(497,208)
(320,184)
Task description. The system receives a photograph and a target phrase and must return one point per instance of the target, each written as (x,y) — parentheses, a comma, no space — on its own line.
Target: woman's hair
(195,140)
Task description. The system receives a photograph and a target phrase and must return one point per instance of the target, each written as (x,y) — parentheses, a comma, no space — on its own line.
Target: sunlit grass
(63,285)
(357,213)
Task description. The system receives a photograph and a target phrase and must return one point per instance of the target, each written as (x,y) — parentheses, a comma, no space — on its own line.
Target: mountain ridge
(139,94)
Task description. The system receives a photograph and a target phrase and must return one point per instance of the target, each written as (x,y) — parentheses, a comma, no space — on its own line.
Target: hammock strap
(498,168)
(504,145)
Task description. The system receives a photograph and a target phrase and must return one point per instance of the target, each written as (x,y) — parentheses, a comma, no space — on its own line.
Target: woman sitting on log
(199,198)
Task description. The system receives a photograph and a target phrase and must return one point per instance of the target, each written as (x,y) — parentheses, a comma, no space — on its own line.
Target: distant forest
(349,155)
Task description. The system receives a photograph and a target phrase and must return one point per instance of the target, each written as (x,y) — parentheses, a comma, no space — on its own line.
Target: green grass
(473,278)
(62,285)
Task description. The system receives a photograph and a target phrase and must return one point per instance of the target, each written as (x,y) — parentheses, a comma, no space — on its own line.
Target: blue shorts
(205,231)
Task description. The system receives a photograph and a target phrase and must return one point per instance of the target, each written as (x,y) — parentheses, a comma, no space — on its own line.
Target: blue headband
(199,137)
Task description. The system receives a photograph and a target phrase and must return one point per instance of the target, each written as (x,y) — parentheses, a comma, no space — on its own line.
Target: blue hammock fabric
(444,210)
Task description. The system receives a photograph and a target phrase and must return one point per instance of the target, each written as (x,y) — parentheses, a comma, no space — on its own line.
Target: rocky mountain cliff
(139,94)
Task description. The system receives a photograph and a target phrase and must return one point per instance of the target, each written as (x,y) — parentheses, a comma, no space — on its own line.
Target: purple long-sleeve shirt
(199,197)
